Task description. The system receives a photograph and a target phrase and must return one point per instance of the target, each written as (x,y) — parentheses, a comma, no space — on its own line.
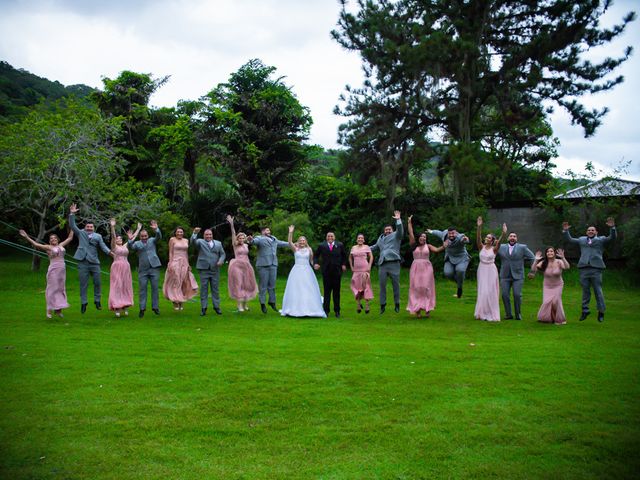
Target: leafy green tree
(465,71)
(63,153)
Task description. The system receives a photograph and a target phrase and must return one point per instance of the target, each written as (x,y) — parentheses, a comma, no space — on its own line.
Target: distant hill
(20,90)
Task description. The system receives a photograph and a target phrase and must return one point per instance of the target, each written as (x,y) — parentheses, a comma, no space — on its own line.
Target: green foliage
(630,244)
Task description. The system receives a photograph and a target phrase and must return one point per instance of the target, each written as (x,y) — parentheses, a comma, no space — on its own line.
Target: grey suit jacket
(512,266)
(87,246)
(456,252)
(208,257)
(147,255)
(591,254)
(389,245)
(267,250)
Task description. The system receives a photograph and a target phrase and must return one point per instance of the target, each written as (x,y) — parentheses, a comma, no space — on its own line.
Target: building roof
(606,187)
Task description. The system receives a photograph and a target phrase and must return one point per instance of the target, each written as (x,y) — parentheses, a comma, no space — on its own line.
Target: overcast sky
(199,43)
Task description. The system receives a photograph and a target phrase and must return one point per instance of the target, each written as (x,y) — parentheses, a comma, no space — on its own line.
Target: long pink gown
(422,284)
(551,310)
(120,284)
(56,293)
(179,283)
(242,278)
(488,303)
(361,278)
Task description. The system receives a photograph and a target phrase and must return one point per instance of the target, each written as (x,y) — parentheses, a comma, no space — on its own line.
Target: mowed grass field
(253,396)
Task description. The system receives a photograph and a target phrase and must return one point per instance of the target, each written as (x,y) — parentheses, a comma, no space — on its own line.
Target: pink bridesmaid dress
(120,284)
(242,279)
(179,283)
(551,310)
(56,293)
(488,303)
(422,285)
(361,278)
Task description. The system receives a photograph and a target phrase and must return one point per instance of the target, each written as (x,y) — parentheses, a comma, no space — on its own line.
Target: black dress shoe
(98,306)
(203,312)
(83,308)
(518,317)
(217,309)
(583,315)
(273,307)
(397,308)
(383,307)
(156,311)
(141,314)
(509,317)
(337,314)
(459,293)
(601,316)
(263,307)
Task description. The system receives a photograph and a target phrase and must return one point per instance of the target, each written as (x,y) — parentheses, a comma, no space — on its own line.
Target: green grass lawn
(258,396)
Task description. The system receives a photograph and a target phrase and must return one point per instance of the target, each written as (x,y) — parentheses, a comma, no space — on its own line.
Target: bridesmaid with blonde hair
(360,261)
(488,301)
(422,284)
(55,293)
(241,277)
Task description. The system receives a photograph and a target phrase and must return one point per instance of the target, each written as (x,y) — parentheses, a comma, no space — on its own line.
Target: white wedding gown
(302,294)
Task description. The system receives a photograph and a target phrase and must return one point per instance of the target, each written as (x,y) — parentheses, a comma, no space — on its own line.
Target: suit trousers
(389,269)
(151,275)
(331,282)
(209,278)
(86,269)
(506,284)
(267,283)
(456,272)
(591,277)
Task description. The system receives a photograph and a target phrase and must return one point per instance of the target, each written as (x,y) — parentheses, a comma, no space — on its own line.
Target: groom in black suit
(333,258)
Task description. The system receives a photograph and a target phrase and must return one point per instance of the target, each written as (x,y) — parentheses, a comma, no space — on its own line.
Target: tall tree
(464,71)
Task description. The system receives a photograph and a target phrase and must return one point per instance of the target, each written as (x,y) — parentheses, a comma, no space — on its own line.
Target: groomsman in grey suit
(388,245)
(148,266)
(267,265)
(591,264)
(88,261)
(512,256)
(210,257)
(456,257)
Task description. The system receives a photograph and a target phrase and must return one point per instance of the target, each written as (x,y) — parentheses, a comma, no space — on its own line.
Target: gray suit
(267,265)
(207,264)
(456,257)
(148,269)
(590,266)
(512,274)
(88,260)
(389,262)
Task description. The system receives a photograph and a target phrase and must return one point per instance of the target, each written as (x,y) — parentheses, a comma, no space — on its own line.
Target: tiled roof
(607,187)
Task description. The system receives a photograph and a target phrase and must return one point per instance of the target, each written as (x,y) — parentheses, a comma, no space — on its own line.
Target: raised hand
(565,226)
(130,235)
(479,221)
(504,228)
(139,226)
(23,233)
(409,219)
(196,230)
(291,228)
(153,224)
(229,219)
(396,214)
(559,252)
(112,222)
(538,255)
(74,208)
(611,222)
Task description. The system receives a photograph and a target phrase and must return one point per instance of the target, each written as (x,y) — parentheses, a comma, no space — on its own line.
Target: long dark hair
(545,262)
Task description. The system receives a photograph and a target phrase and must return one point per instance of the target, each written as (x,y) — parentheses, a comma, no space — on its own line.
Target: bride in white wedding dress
(302,294)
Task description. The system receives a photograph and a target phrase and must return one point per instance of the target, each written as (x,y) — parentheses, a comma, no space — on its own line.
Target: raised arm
(479,233)
(496,247)
(39,246)
(112,224)
(290,237)
(399,227)
(194,236)
(67,240)
(563,260)
(536,262)
(612,230)
(412,238)
(566,235)
(73,209)
(233,229)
